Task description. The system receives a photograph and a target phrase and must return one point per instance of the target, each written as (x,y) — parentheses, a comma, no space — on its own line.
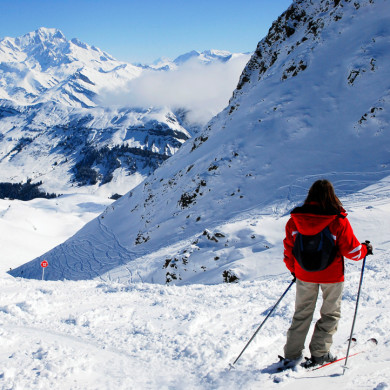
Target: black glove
(369,247)
(293,275)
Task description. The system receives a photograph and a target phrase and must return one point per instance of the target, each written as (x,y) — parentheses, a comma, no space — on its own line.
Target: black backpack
(315,253)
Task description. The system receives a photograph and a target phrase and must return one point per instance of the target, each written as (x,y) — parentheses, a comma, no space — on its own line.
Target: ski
(275,368)
(279,373)
(372,342)
(336,361)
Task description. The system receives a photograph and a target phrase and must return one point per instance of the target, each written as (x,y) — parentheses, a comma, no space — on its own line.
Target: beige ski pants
(326,326)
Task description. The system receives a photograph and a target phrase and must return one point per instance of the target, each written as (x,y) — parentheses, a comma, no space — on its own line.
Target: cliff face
(312,102)
(304,21)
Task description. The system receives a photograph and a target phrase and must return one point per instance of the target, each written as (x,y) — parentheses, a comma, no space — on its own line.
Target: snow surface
(258,157)
(154,313)
(29,228)
(105,335)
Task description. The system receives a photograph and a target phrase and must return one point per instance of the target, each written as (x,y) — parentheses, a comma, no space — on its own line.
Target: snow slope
(67,146)
(116,332)
(313,102)
(104,335)
(27,229)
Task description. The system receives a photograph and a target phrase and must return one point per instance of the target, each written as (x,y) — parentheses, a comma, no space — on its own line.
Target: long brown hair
(322,192)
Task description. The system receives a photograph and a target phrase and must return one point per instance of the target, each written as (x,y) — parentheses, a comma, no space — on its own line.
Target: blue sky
(144,30)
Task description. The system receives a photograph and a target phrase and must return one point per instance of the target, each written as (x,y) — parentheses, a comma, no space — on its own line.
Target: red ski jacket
(309,220)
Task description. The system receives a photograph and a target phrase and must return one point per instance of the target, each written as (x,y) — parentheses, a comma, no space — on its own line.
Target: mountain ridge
(80,146)
(50,91)
(256,158)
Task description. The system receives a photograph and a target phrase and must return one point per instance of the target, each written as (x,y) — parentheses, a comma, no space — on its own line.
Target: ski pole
(354,317)
(261,325)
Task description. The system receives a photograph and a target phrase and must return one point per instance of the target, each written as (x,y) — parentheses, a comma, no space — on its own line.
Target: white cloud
(202,89)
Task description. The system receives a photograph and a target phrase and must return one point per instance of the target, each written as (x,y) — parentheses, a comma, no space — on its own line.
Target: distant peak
(42,34)
(186,56)
(205,56)
(48,33)
(217,53)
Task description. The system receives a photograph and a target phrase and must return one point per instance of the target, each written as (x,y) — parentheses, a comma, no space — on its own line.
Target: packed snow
(105,335)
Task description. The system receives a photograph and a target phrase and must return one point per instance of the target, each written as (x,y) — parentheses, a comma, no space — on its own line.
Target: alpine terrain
(56,128)
(164,288)
(312,102)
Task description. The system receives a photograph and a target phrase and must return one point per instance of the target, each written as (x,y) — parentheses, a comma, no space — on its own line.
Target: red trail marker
(44,264)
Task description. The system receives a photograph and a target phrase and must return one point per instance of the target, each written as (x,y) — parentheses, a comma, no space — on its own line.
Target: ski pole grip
(369,247)
(294,277)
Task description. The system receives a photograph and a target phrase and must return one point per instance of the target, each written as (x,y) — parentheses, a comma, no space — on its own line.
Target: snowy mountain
(51,128)
(313,102)
(55,128)
(205,57)
(44,66)
(65,146)
(213,212)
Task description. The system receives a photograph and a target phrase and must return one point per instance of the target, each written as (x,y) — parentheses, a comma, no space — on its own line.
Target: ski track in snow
(103,334)
(90,334)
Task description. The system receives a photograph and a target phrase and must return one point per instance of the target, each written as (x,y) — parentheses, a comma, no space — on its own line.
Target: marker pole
(44,264)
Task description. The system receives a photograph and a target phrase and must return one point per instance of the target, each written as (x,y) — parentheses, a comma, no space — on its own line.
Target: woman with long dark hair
(318,237)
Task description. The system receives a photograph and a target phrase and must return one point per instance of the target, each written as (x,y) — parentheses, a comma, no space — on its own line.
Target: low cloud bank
(204,90)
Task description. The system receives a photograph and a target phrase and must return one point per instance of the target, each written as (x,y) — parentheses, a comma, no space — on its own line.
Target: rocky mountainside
(312,102)
(65,146)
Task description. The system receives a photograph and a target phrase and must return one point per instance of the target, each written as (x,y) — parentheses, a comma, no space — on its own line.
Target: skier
(322,210)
